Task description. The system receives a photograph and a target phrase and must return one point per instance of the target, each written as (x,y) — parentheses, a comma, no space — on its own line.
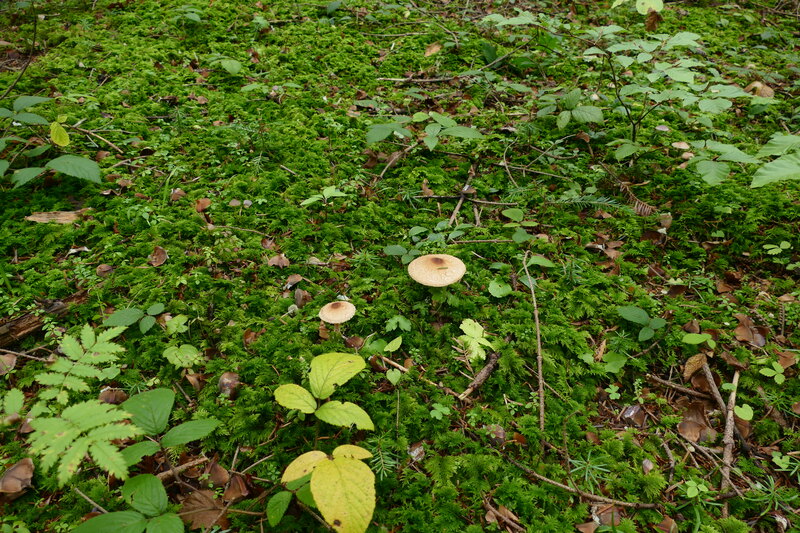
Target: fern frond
(598,202)
(110,333)
(87,427)
(88,337)
(71,347)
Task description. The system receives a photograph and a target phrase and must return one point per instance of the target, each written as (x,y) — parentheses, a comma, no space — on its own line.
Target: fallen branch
(727,439)
(679,388)
(16,329)
(481,376)
(175,470)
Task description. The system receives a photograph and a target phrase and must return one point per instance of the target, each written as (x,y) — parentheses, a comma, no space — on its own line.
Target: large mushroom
(436,270)
(337,313)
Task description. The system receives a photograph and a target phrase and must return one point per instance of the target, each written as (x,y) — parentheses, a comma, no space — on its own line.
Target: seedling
(131,315)
(326,194)
(639,316)
(439,411)
(474,340)
(774,371)
(699,338)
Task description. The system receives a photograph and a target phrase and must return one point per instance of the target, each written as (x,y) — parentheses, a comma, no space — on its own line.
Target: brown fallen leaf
(103,270)
(158,257)
(760,89)
(786,359)
(301,297)
(229,384)
(694,426)
(647,466)
(587,527)
(608,514)
(202,510)
(796,408)
(176,194)
(59,217)
(634,414)
(668,525)
(197,381)
(652,21)
(293,280)
(217,475)
(202,204)
(744,427)
(17,478)
(354,342)
(748,332)
(731,360)
(237,488)
(433,48)
(693,364)
(279,261)
(112,396)
(7,363)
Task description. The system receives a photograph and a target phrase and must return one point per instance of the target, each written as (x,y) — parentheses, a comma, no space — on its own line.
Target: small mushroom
(337,313)
(436,270)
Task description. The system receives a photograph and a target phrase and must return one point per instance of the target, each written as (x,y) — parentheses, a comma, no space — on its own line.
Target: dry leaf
(723,287)
(760,89)
(354,342)
(634,414)
(748,332)
(744,427)
(694,426)
(158,257)
(59,217)
(647,466)
(668,525)
(301,297)
(417,452)
(796,408)
(202,510)
(608,514)
(7,363)
(250,336)
(426,191)
(786,359)
(681,145)
(176,194)
(103,270)
(237,488)
(229,384)
(731,360)
(652,21)
(279,261)
(112,396)
(202,204)
(17,478)
(433,48)
(292,280)
(587,527)
(693,364)
(693,326)
(218,476)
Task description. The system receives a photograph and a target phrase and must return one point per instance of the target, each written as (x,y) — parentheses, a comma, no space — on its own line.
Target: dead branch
(481,376)
(539,358)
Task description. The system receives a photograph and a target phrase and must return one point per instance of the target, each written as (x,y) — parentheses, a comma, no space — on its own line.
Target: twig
(679,388)
(88,499)
(727,439)
(476,241)
(579,492)
(539,361)
(665,445)
(28,62)
(175,470)
(510,523)
(25,355)
(257,463)
(463,193)
(96,136)
(404,370)
(481,376)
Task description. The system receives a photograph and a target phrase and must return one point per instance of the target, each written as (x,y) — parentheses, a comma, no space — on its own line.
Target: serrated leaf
(88,337)
(231,66)
(30,118)
(183,356)
(344,491)
(189,431)
(24,175)
(779,144)
(124,317)
(79,167)
(331,369)
(165,523)
(146,323)
(155,309)
(146,494)
(712,172)
(461,132)
(24,102)
(634,314)
(134,453)
(714,105)
(563,119)
(499,289)
(344,414)
(277,505)
(119,522)
(303,465)
(471,328)
(646,333)
(294,396)
(587,113)
(13,402)
(58,134)
(394,344)
(784,168)
(150,410)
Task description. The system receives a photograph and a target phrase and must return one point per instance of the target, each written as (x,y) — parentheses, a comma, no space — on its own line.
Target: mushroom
(337,313)
(436,270)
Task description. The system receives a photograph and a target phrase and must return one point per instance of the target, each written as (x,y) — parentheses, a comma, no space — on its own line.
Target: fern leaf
(91,414)
(85,371)
(110,333)
(72,459)
(113,432)
(61,366)
(109,458)
(87,336)
(104,348)
(71,347)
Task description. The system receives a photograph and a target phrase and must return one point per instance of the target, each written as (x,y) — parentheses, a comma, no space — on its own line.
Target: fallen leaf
(786,359)
(723,286)
(652,21)
(587,527)
(7,363)
(744,427)
(103,270)
(433,48)
(693,364)
(197,381)
(112,396)
(279,261)
(17,478)
(760,89)
(748,332)
(202,204)
(608,515)
(176,194)
(237,488)
(354,342)
(217,475)
(667,525)
(301,297)
(796,408)
(59,217)
(647,466)
(158,257)
(694,426)
(229,384)
(417,452)
(731,360)
(426,191)
(293,280)
(202,510)
(634,414)
(250,336)
(100,155)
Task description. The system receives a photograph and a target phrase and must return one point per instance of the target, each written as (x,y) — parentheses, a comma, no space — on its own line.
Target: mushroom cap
(337,312)
(436,270)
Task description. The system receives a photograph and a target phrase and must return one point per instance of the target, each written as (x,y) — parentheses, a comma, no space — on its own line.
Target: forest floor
(620,355)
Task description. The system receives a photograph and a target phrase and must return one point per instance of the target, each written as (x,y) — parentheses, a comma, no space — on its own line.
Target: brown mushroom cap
(436,270)
(337,312)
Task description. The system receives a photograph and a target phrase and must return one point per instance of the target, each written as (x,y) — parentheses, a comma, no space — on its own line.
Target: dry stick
(721,403)
(510,523)
(174,471)
(581,493)
(401,368)
(481,376)
(96,136)
(88,499)
(727,439)
(463,194)
(25,355)
(539,362)
(671,385)
(671,459)
(393,161)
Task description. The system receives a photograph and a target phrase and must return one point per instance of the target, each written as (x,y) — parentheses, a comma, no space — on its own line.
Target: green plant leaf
(745,412)
(147,323)
(714,105)
(540,261)
(712,172)
(563,119)
(344,491)
(189,431)
(13,402)
(443,120)
(3,165)
(331,369)
(587,113)
(634,314)
(344,414)
(183,356)
(119,522)
(150,410)
(58,134)
(394,344)
(134,453)
(786,167)
(394,249)
(294,396)
(166,523)
(696,338)
(231,66)
(625,150)
(657,323)
(394,376)
(277,505)
(24,102)
(461,132)
(516,214)
(303,465)
(78,167)
(646,333)
(31,118)
(779,144)
(24,175)
(124,317)
(155,309)
(499,289)
(146,494)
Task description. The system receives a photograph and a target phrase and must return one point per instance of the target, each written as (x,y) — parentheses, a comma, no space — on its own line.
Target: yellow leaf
(295,397)
(354,452)
(58,134)
(303,465)
(331,369)
(344,491)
